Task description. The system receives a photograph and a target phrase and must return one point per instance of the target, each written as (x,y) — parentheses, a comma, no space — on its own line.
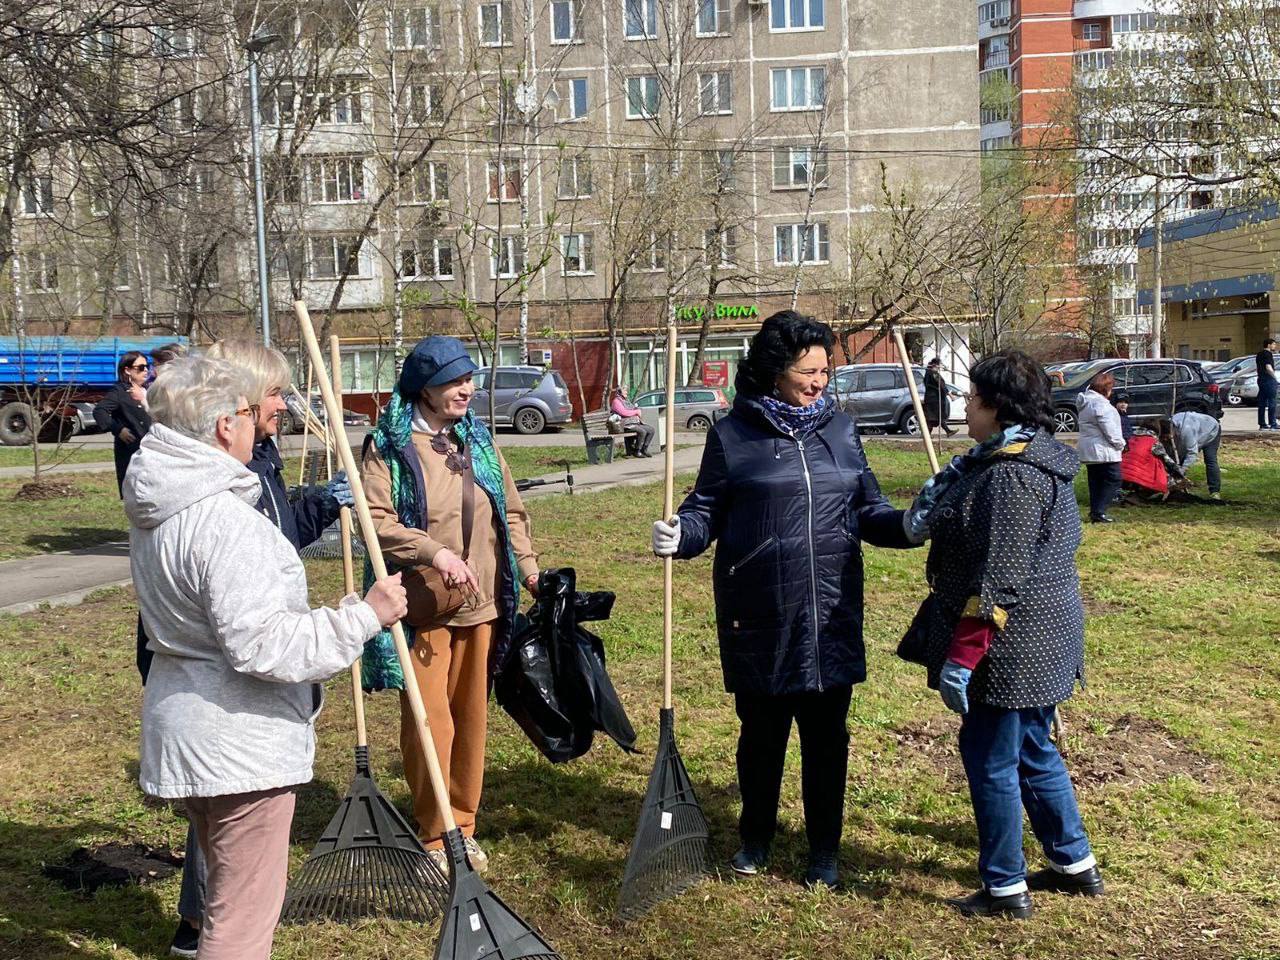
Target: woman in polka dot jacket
(1005,630)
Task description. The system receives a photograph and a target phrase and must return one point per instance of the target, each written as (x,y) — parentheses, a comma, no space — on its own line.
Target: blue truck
(49,376)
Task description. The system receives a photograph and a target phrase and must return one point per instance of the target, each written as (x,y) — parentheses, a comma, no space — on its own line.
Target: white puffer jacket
(231,698)
(1101,440)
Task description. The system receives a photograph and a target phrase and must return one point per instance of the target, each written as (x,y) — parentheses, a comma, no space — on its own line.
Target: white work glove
(666,537)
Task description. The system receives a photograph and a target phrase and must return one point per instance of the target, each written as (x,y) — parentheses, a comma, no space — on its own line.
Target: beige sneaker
(440,859)
(478,858)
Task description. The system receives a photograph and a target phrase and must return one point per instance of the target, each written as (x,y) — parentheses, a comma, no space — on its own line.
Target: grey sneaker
(186,941)
(440,859)
(478,858)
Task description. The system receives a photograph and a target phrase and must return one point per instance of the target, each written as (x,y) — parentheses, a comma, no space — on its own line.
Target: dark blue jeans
(1266,403)
(1011,764)
(1104,484)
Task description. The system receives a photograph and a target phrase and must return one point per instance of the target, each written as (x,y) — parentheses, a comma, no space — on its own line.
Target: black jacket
(1004,550)
(302,521)
(116,411)
(934,400)
(789,518)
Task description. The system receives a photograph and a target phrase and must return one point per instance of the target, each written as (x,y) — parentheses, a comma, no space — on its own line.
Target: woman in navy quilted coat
(786,493)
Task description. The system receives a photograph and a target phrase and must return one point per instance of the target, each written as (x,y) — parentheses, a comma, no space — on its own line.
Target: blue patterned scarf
(393,439)
(797,421)
(918,517)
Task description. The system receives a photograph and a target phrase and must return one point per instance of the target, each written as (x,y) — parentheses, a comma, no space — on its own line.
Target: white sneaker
(478,858)
(440,859)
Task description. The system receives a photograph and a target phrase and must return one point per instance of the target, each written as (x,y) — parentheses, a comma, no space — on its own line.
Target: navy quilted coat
(789,518)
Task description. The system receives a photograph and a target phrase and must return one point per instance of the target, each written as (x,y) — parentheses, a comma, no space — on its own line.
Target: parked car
(290,419)
(1238,367)
(82,421)
(527,398)
(1155,388)
(876,395)
(696,407)
(1241,391)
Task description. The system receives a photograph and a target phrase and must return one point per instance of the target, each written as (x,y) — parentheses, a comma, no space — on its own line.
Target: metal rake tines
(376,881)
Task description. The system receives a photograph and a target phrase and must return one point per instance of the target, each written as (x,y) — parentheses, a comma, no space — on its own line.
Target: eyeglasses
(252,412)
(139,366)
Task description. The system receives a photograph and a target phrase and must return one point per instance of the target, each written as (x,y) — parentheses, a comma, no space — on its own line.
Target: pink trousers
(245,838)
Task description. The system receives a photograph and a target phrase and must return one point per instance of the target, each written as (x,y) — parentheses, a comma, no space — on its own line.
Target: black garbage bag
(554,683)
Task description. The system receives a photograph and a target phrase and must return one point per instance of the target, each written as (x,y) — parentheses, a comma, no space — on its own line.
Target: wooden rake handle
(905,359)
(668,511)
(348,557)
(371,545)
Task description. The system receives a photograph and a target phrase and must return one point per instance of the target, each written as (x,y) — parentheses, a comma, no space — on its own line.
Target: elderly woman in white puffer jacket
(232,696)
(1100,445)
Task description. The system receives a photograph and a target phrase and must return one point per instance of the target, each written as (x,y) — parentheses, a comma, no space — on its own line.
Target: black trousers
(824,762)
(639,443)
(1104,484)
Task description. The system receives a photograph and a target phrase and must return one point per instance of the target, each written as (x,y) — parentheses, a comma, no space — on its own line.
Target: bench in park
(598,438)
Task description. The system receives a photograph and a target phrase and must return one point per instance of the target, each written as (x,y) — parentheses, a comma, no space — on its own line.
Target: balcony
(996,58)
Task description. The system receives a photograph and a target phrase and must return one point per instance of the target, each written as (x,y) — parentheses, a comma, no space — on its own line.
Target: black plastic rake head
(478,925)
(367,863)
(669,852)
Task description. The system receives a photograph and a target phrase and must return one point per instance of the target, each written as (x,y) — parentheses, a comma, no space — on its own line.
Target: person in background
(936,403)
(266,374)
(787,496)
(429,465)
(637,444)
(234,690)
(1005,630)
(123,411)
(1186,437)
(1121,402)
(1266,364)
(1100,444)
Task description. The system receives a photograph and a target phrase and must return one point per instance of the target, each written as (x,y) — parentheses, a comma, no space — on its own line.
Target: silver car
(876,395)
(527,398)
(697,408)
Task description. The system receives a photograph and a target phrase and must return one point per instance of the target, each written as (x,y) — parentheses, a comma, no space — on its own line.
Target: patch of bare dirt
(1094,607)
(936,741)
(49,488)
(113,865)
(1133,751)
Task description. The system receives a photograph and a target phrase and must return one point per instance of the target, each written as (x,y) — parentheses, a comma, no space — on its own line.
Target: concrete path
(62,579)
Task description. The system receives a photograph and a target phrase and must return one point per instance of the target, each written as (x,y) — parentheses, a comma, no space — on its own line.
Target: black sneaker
(1016,906)
(186,941)
(1086,883)
(750,860)
(822,871)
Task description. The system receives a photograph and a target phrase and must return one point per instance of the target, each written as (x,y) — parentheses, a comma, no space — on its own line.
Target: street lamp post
(255,45)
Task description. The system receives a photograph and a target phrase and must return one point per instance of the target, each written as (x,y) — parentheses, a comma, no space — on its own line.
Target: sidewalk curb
(61,600)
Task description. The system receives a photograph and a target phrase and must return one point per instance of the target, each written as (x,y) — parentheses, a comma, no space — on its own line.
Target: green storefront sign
(734,311)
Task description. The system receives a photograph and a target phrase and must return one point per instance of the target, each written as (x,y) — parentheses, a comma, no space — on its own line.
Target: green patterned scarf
(393,439)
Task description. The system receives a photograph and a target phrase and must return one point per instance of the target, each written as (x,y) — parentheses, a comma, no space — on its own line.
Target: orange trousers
(452,667)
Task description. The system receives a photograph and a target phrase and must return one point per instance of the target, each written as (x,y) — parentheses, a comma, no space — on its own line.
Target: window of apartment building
(426,103)
(799,88)
(994,11)
(101,44)
(282,181)
(640,19)
(795,243)
(1091,31)
(643,97)
(716,92)
(995,144)
(37,195)
(39,270)
(720,246)
(1123,306)
(717,170)
(428,182)
(112,275)
(100,201)
(566,21)
(995,53)
(1134,23)
(572,94)
(574,180)
(416,28)
(642,173)
(576,254)
(426,259)
(338,101)
(195,268)
(504,179)
(336,179)
(796,15)
(654,256)
(328,257)
(1111,237)
(186,111)
(276,103)
(506,258)
(714,17)
(176,41)
(1125,273)
(495,24)
(799,167)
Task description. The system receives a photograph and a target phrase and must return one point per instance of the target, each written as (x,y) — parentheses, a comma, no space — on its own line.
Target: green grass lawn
(1175,747)
(71,452)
